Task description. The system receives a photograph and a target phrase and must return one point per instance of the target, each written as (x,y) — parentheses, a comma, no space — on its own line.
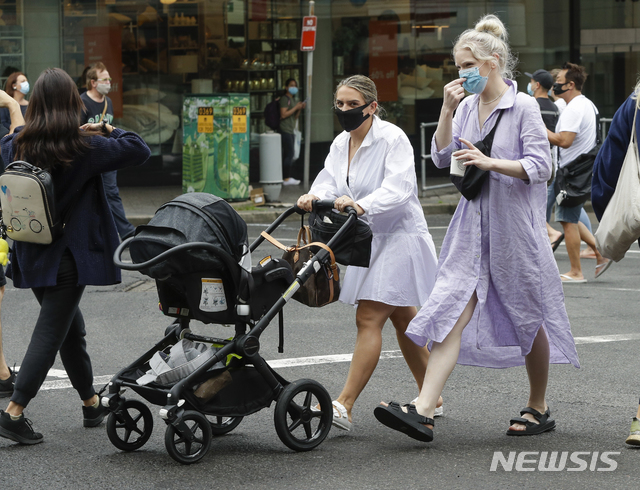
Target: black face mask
(557,88)
(353,118)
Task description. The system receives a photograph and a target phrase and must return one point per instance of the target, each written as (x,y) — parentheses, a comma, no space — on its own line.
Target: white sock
(14,417)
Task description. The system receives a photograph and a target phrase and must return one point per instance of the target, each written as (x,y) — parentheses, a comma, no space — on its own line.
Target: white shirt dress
(382,180)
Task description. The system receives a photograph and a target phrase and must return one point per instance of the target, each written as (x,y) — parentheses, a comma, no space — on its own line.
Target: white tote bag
(297,142)
(620,224)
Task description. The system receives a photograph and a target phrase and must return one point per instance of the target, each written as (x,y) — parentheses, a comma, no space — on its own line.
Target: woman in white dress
(371,167)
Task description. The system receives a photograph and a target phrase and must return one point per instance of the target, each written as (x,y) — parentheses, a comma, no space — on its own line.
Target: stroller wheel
(191,446)
(303,415)
(223,425)
(130,426)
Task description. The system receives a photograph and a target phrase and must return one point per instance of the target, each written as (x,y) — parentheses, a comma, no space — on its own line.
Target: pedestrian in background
(83,255)
(606,171)
(497,301)
(99,110)
(289,113)
(371,168)
(17,86)
(7,376)
(575,135)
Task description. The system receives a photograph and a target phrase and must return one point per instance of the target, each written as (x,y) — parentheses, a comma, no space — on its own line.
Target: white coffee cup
(457,166)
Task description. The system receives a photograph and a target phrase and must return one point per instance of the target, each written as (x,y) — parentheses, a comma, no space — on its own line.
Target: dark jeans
(60,327)
(288,144)
(110,180)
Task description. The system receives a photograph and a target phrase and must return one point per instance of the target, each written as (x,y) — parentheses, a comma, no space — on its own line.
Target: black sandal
(545,424)
(556,243)
(409,422)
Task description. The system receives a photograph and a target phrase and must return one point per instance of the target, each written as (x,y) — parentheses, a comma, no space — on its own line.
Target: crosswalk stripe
(60,384)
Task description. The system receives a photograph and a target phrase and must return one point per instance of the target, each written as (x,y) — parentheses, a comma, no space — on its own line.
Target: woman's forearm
(444,131)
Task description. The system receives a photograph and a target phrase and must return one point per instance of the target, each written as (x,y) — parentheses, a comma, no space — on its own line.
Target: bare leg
(537,363)
(442,360)
(572,240)
(416,357)
(370,318)
(638,413)
(4,369)
(553,233)
(587,237)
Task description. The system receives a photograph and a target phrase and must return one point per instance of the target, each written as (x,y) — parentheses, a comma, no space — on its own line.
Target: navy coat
(90,233)
(608,164)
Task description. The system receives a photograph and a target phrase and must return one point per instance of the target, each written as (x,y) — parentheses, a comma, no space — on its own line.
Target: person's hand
(300,105)
(98,128)
(473,156)
(345,201)
(305,202)
(453,94)
(6,100)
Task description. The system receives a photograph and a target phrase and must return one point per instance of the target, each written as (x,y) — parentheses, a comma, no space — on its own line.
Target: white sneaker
(291,181)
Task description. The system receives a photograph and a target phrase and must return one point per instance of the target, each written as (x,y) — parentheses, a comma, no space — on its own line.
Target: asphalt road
(593,406)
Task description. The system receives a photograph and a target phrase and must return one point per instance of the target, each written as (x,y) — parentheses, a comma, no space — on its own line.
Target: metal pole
(307,111)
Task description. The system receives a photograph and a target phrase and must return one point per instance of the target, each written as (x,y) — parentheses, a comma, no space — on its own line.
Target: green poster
(215,153)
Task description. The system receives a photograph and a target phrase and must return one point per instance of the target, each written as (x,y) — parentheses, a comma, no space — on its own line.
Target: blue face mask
(474,83)
(293,90)
(24,88)
(529,89)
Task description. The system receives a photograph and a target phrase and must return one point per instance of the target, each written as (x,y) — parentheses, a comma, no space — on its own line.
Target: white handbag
(620,224)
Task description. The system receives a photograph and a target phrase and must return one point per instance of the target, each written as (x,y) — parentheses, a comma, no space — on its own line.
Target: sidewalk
(141,203)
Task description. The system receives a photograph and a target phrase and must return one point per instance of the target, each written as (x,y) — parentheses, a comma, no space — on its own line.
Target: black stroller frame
(301,425)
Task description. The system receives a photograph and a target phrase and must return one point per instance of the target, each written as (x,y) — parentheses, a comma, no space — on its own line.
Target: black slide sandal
(410,422)
(545,424)
(556,244)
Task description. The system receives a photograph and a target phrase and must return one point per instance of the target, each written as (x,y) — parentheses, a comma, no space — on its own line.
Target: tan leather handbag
(322,288)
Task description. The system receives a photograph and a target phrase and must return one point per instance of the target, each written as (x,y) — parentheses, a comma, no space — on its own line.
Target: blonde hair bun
(492,25)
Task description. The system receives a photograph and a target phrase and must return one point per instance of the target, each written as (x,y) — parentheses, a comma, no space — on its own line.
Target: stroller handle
(221,254)
(317,204)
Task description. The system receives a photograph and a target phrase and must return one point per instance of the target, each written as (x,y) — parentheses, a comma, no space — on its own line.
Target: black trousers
(60,327)
(288,148)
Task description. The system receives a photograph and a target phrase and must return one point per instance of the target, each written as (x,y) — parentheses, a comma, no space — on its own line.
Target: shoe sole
(535,432)
(389,419)
(6,394)
(10,435)
(633,440)
(93,422)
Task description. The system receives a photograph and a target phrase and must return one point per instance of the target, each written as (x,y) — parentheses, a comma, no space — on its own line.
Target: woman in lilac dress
(498,299)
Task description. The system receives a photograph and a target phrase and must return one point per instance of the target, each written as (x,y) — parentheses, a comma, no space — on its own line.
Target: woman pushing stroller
(370,167)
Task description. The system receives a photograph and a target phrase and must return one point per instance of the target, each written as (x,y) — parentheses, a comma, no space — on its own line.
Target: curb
(266,216)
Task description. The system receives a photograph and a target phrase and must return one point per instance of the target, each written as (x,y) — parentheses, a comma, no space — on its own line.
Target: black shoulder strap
(488,139)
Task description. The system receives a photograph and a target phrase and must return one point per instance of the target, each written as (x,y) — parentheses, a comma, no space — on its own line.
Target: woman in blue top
(58,273)
(606,171)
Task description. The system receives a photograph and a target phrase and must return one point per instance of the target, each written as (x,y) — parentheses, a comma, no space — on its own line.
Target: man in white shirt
(575,134)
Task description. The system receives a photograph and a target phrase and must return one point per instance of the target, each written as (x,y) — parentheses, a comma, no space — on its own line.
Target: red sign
(383,58)
(308,38)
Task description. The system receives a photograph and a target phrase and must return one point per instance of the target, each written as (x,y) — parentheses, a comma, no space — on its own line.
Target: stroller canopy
(194,217)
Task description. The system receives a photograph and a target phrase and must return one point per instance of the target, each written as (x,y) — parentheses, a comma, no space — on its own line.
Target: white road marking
(60,384)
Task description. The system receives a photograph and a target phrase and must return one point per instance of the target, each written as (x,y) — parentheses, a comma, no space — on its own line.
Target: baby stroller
(196,248)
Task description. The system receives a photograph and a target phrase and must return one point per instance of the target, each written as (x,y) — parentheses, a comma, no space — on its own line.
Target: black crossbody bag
(573,181)
(470,185)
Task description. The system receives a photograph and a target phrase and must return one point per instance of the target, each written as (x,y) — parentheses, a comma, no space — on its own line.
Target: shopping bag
(297,142)
(620,223)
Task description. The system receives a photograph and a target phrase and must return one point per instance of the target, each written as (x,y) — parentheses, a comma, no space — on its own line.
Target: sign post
(308,44)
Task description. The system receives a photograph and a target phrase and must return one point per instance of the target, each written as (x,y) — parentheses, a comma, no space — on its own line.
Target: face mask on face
(353,118)
(530,90)
(557,88)
(23,88)
(293,90)
(474,83)
(103,88)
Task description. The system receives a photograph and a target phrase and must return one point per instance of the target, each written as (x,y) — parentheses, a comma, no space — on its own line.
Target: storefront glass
(158,51)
